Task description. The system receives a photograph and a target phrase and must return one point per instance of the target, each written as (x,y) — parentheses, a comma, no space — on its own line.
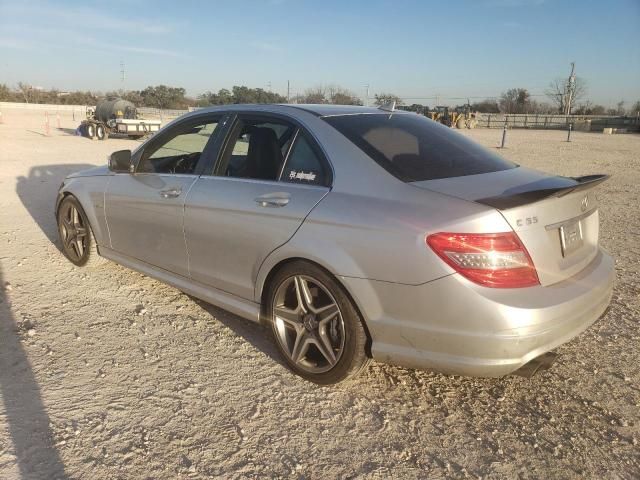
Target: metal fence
(559,122)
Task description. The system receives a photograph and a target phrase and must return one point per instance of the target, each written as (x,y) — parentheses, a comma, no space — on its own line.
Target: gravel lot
(105,373)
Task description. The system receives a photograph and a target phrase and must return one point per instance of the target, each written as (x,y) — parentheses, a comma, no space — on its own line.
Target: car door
(268,178)
(145,209)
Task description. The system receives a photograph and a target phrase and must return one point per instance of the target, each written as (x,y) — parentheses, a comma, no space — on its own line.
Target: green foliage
(515,100)
(386,98)
(5,94)
(239,94)
(163,96)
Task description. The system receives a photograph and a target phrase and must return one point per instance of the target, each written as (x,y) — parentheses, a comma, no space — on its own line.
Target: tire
(101,132)
(90,130)
(320,335)
(76,237)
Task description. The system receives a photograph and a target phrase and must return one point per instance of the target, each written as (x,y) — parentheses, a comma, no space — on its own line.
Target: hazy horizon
(417,50)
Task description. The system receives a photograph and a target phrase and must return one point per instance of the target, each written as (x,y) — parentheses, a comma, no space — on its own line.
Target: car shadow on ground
(26,417)
(258,335)
(38,191)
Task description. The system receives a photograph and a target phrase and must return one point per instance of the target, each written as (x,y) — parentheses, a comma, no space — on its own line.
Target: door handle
(170,193)
(273,200)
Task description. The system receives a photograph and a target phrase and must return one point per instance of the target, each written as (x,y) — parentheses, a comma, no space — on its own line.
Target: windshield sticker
(293,175)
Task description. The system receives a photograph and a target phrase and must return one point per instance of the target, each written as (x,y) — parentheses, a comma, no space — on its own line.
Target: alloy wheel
(73,232)
(308,324)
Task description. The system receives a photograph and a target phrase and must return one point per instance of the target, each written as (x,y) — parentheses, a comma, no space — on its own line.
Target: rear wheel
(76,237)
(90,130)
(101,132)
(316,327)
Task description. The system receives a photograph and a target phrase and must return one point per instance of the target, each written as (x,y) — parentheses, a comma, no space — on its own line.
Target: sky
(415,49)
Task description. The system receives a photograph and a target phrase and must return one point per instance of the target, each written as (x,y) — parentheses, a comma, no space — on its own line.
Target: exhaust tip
(543,362)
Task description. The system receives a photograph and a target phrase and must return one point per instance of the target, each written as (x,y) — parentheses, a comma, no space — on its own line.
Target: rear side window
(414,148)
(303,165)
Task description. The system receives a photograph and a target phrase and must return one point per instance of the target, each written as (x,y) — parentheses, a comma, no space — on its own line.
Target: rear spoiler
(541,189)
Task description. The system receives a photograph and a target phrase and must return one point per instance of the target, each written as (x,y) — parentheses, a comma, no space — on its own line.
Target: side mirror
(120,162)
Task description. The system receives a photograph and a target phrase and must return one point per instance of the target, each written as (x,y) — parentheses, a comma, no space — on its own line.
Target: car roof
(320,110)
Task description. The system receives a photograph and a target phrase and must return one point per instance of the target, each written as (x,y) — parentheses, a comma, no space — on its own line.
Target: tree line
(511,101)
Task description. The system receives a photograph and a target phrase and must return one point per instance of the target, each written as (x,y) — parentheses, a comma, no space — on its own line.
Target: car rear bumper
(455,326)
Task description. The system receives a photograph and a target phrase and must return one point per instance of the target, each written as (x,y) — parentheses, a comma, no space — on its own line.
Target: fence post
(526,117)
(489,121)
(569,133)
(504,133)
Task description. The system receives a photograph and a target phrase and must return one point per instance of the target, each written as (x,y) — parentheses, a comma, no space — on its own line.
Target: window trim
(238,115)
(286,157)
(167,135)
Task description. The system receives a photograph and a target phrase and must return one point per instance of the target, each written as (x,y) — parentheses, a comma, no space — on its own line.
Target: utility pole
(571,88)
(121,71)
(288,92)
(269,85)
(366,98)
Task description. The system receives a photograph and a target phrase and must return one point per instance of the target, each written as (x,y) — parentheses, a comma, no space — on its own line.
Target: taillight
(497,260)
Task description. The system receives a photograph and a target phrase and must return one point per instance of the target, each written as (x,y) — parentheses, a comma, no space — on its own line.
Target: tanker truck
(116,116)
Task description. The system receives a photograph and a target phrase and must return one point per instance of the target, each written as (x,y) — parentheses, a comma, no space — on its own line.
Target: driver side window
(181,151)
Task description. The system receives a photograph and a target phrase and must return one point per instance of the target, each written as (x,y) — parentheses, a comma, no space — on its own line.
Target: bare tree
(559,95)
(26,91)
(330,94)
(315,95)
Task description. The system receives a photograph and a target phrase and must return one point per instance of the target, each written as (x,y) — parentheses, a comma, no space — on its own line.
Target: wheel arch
(91,201)
(263,290)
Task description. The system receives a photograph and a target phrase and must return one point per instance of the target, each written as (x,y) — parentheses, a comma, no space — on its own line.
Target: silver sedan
(354,233)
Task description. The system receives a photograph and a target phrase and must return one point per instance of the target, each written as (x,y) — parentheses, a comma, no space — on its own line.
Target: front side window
(181,152)
(414,148)
(303,165)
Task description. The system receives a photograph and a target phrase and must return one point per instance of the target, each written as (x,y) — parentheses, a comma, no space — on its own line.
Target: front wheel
(316,327)
(76,237)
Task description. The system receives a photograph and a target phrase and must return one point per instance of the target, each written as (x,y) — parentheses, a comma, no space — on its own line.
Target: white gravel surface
(105,373)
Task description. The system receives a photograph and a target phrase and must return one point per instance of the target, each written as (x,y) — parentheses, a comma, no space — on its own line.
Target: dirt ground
(105,373)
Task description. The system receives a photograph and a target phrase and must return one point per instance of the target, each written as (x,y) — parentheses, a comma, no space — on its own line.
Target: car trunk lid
(555,217)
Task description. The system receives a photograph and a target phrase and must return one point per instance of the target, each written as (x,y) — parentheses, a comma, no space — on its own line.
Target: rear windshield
(414,148)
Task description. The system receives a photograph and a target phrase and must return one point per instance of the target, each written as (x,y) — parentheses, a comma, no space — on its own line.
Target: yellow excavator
(459,117)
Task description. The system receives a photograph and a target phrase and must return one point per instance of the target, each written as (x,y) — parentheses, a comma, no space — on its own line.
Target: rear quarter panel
(382,238)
